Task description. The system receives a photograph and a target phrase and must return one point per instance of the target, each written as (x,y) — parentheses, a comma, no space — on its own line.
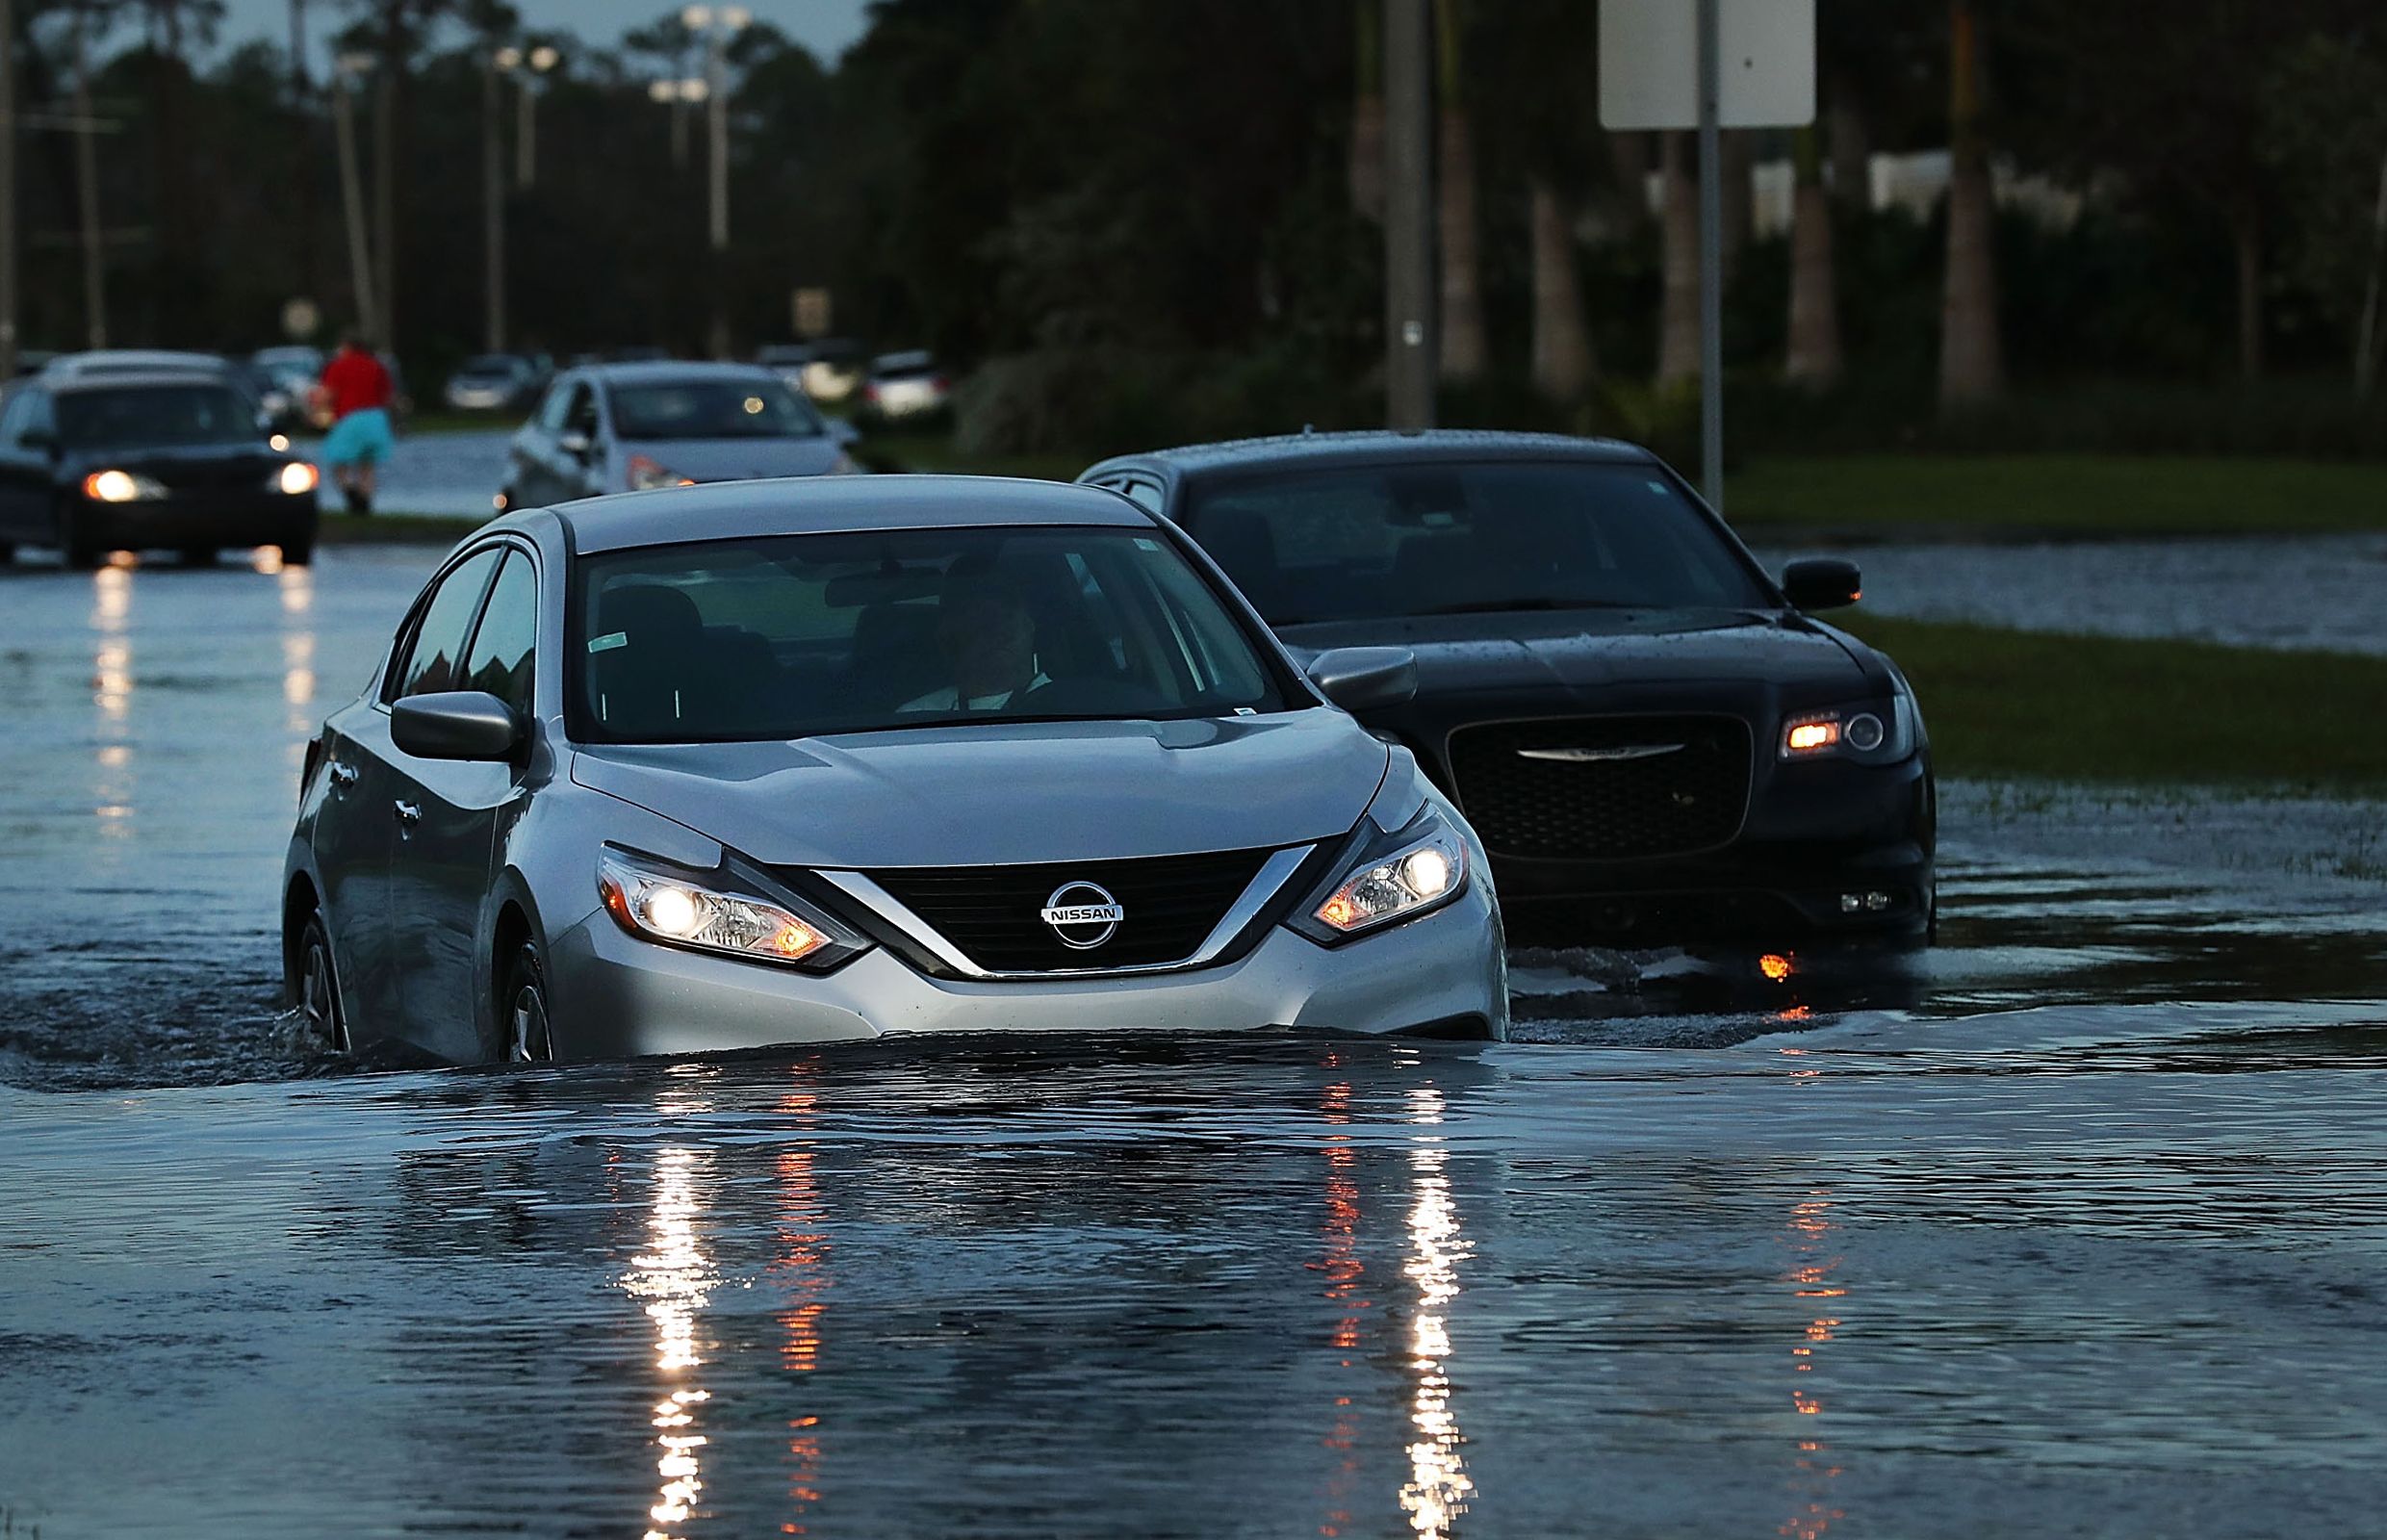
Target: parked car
(634,426)
(494,382)
(835,368)
(103,461)
(785,360)
(733,766)
(1654,739)
(293,369)
(905,385)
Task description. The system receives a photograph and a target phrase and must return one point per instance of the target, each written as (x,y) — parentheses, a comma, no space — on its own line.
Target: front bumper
(1815,837)
(189,519)
(615,995)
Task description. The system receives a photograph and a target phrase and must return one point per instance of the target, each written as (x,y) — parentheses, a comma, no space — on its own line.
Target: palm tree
(1462,289)
(1678,308)
(1971,367)
(1814,357)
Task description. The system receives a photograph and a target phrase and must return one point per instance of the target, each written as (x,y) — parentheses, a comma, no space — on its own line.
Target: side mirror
(576,443)
(1364,679)
(1822,582)
(842,430)
(456,725)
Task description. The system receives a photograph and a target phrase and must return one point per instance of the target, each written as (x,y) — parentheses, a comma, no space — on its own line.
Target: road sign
(810,312)
(1649,64)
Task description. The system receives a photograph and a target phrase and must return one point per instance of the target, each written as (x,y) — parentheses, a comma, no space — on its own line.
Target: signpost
(1708,65)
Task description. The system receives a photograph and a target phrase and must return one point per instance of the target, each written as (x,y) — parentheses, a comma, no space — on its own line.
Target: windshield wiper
(1491,606)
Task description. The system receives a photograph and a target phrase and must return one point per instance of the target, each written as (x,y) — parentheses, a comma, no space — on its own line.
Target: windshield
(757,408)
(1366,542)
(799,635)
(156,415)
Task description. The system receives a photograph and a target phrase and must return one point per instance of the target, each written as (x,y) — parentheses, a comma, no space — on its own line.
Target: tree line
(1169,208)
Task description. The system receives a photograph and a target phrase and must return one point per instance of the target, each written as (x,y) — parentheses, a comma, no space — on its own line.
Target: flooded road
(2072,1225)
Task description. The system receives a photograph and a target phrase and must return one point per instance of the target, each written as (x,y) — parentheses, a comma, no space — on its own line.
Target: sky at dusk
(824,26)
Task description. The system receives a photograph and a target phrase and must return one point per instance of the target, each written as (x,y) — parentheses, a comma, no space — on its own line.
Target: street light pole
(352,186)
(493,194)
(1408,217)
(8,191)
(717,28)
(540,59)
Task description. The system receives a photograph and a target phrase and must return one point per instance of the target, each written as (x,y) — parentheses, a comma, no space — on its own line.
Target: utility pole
(541,58)
(86,187)
(385,199)
(8,191)
(303,145)
(717,27)
(352,186)
(493,192)
(1710,258)
(1409,340)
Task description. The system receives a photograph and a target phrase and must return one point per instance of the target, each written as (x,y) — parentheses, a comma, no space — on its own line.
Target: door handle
(343,776)
(407,812)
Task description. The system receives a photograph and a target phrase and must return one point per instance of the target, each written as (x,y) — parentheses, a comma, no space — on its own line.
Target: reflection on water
(802,1273)
(673,1278)
(1344,1274)
(1438,1486)
(1809,1276)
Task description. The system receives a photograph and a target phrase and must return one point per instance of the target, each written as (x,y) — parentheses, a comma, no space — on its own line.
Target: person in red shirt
(358,391)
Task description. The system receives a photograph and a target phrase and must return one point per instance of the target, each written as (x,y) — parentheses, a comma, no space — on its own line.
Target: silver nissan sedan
(730,766)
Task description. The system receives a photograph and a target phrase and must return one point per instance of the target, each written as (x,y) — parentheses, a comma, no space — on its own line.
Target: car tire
(200,556)
(525,1034)
(74,548)
(298,553)
(315,986)
(8,553)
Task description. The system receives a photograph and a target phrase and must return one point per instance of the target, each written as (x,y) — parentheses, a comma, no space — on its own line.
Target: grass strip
(2122,710)
(2055,496)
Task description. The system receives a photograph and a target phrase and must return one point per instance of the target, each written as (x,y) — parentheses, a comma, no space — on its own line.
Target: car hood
(184,465)
(738,459)
(1590,648)
(1009,794)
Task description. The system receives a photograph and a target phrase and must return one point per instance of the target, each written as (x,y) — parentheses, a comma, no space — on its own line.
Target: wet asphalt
(2071,1225)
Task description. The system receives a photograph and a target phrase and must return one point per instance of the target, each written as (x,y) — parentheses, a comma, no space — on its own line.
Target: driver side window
(435,653)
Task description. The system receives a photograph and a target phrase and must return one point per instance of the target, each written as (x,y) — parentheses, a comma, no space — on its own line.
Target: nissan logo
(1083,914)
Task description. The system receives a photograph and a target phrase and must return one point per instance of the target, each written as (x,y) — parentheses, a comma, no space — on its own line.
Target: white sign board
(1649,64)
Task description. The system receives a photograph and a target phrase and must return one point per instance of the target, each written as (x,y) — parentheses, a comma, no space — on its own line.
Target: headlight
(1869,732)
(120,487)
(296,479)
(702,914)
(645,475)
(1396,876)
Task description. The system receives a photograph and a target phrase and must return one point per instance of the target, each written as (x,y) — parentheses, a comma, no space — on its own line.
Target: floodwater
(2072,1225)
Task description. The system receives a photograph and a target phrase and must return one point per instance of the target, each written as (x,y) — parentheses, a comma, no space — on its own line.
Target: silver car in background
(634,427)
(735,766)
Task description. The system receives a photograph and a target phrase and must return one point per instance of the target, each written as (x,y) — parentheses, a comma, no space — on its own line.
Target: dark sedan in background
(632,428)
(1655,739)
(107,461)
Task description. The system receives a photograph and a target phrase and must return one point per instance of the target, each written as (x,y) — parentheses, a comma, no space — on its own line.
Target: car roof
(126,379)
(109,359)
(1375,446)
(663,371)
(736,510)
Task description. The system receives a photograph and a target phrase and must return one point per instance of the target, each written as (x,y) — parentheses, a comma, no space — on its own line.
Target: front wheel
(297,553)
(75,548)
(522,1008)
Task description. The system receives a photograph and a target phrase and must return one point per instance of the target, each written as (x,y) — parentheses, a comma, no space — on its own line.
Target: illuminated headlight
(1869,732)
(645,475)
(296,479)
(1396,876)
(680,909)
(120,487)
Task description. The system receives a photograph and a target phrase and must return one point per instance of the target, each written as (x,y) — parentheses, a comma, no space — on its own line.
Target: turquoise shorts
(360,438)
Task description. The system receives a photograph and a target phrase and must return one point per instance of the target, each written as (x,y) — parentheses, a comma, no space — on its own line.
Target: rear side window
(501,659)
(438,641)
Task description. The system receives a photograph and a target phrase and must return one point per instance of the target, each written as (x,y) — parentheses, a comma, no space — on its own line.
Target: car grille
(994,914)
(1687,798)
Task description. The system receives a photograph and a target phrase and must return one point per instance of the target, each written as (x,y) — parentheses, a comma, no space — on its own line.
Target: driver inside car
(987,638)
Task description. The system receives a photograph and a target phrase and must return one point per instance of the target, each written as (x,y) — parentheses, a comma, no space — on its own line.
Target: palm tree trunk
(1562,361)
(1677,309)
(1814,357)
(1462,289)
(1971,366)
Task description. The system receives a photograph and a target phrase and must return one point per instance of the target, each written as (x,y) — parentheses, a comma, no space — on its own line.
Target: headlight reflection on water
(1439,1485)
(675,1279)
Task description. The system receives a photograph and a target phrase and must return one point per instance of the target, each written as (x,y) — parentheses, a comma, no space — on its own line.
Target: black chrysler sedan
(1656,739)
(141,461)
